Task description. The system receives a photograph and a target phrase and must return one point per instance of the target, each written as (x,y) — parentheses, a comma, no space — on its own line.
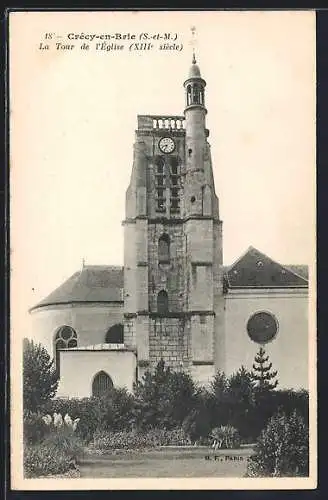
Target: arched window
(101,384)
(164,249)
(162,302)
(195,94)
(188,95)
(65,338)
(115,334)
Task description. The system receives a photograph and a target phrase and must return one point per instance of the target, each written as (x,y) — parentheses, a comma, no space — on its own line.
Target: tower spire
(195,84)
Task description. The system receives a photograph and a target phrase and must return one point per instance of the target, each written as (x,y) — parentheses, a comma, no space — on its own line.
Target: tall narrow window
(159,165)
(101,384)
(162,302)
(115,334)
(195,94)
(164,249)
(160,183)
(174,175)
(65,338)
(175,205)
(174,162)
(188,95)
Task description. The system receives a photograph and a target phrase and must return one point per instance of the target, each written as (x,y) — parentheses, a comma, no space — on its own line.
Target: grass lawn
(168,462)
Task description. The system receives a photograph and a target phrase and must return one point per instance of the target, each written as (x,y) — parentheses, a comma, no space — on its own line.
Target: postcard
(163,294)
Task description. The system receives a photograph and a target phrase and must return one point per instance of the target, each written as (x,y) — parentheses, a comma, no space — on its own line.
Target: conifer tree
(262,372)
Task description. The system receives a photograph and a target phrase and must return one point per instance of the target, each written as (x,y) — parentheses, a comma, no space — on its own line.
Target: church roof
(90,284)
(256,270)
(194,71)
(104,284)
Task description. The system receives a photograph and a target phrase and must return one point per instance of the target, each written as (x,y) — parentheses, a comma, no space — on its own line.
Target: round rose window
(262,327)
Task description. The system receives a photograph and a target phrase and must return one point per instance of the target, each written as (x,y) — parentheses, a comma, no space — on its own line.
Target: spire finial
(193,43)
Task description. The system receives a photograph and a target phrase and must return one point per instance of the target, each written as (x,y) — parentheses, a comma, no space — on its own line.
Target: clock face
(166,145)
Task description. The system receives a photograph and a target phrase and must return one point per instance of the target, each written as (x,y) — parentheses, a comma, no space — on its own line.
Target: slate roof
(90,284)
(256,270)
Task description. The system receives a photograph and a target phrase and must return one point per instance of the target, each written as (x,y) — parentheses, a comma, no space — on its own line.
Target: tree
(241,402)
(163,398)
(262,372)
(219,387)
(201,417)
(150,395)
(40,380)
(241,387)
(180,398)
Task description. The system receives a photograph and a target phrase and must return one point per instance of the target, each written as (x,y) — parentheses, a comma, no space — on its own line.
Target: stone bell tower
(173,287)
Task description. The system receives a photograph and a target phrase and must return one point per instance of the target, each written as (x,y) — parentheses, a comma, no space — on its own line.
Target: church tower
(173,286)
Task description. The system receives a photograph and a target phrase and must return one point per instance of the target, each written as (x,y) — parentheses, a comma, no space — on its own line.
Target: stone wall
(169,277)
(169,340)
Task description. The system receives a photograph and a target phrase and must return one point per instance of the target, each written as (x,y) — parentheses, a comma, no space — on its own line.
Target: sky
(73,114)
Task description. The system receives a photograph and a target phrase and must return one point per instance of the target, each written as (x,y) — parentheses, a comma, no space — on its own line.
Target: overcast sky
(73,116)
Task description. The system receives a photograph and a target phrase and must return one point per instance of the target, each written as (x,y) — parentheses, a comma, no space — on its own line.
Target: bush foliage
(163,398)
(282,449)
(166,408)
(226,437)
(42,460)
(34,427)
(40,379)
(134,439)
(113,411)
(55,452)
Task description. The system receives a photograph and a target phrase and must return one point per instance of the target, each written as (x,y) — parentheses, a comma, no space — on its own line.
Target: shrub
(86,409)
(40,380)
(234,401)
(269,403)
(42,460)
(282,449)
(113,411)
(116,409)
(237,402)
(226,437)
(35,429)
(201,418)
(58,449)
(105,440)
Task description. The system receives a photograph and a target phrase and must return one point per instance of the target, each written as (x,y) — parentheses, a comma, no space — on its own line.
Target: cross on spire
(193,43)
